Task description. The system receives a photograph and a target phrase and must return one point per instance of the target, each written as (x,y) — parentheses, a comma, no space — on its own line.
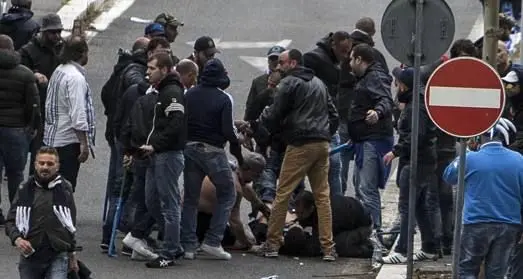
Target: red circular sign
(465,97)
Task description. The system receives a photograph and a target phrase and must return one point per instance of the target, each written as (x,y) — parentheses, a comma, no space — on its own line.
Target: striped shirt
(68,107)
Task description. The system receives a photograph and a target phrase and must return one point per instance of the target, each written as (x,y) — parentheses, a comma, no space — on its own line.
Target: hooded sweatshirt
(18,24)
(210,110)
(19,99)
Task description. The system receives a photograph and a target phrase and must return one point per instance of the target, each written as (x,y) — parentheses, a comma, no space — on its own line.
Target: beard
(44,177)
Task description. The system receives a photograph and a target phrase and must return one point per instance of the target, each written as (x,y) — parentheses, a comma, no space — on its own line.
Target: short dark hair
(296,55)
(463,45)
(305,198)
(340,36)
(364,51)
(163,60)
(253,161)
(366,24)
(74,48)
(157,41)
(48,150)
(6,43)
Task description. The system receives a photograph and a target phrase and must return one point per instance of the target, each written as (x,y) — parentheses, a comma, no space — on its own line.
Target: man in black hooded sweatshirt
(18,23)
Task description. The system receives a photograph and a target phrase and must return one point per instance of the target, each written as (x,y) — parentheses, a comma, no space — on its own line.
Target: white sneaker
(216,252)
(394,258)
(139,246)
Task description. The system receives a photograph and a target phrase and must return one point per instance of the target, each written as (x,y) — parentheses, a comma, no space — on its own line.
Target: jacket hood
(214,74)
(360,37)
(124,58)
(9,59)
(324,43)
(16,14)
(170,79)
(302,73)
(140,56)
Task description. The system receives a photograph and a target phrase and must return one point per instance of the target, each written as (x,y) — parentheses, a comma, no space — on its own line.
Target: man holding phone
(41,221)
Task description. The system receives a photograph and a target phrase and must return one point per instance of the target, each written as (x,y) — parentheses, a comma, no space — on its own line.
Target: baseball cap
(511,77)
(205,43)
(275,51)
(404,75)
(167,19)
(154,29)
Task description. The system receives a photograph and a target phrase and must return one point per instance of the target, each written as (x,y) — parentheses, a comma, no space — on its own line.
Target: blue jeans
(491,242)
(162,197)
(202,160)
(427,217)
(54,269)
(366,184)
(335,168)
(265,185)
(14,146)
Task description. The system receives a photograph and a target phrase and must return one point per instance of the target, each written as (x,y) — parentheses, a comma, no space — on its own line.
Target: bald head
(366,24)
(6,43)
(140,43)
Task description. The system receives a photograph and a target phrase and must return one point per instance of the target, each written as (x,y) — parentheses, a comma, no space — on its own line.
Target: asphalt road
(303,22)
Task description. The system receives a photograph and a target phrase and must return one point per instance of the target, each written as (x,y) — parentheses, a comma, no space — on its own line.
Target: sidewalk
(389,201)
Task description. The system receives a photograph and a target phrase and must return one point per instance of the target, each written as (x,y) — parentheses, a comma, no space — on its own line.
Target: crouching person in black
(41,221)
(351,228)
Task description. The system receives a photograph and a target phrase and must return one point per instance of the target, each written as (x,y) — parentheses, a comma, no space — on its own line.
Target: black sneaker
(104,247)
(160,262)
(127,251)
(2,219)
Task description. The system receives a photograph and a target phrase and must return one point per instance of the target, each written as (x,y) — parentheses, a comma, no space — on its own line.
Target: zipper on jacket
(154,121)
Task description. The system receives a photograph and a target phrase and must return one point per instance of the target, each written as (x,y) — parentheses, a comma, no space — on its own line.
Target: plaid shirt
(69,107)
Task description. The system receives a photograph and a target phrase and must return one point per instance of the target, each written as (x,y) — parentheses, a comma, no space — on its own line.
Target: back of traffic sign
(398,30)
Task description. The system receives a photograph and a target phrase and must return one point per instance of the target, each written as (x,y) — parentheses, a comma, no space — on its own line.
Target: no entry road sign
(465,97)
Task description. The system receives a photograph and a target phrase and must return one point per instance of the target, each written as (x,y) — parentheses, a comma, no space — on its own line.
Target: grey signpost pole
(4,6)
(413,183)
(459,207)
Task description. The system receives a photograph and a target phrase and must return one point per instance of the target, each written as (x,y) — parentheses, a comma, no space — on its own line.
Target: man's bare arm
(250,194)
(82,137)
(237,224)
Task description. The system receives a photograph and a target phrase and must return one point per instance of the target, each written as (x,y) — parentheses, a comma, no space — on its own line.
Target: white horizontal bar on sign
(464,97)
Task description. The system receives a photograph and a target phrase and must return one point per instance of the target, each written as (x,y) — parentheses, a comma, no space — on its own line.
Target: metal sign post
(4,6)
(458,219)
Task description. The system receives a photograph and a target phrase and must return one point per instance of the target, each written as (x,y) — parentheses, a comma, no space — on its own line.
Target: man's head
(47,164)
(403,79)
(140,44)
(6,43)
(22,3)
(272,57)
(153,30)
(305,206)
(361,57)
(75,50)
(512,84)
(158,44)
(253,165)
(170,24)
(366,24)
(341,44)
(274,79)
(204,50)
(188,71)
(159,65)
(463,47)
(51,29)
(289,60)
(502,58)
(505,24)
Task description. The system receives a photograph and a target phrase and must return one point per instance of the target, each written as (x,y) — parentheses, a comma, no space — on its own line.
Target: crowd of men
(166,117)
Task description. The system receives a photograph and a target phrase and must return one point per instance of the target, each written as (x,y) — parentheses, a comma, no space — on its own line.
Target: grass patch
(65,2)
(90,14)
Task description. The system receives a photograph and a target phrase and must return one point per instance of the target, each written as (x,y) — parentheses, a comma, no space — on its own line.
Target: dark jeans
(265,185)
(163,199)
(14,146)
(56,268)
(489,242)
(142,220)
(203,224)
(69,164)
(516,262)
(427,216)
(335,168)
(446,203)
(34,146)
(347,155)
(202,160)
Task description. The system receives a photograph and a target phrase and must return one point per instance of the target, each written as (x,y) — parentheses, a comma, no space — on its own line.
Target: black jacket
(134,73)
(259,84)
(124,108)
(427,132)
(19,100)
(210,110)
(45,228)
(362,38)
(325,65)
(157,119)
(303,109)
(18,23)
(372,93)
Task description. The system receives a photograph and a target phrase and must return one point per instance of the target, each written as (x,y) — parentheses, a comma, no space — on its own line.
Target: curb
(83,10)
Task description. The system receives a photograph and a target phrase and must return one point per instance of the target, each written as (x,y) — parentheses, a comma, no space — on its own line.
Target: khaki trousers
(311,160)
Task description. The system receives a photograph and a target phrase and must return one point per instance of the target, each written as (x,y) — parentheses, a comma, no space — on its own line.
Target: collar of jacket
(51,184)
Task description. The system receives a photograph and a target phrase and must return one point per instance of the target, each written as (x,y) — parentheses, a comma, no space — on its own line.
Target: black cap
(205,43)
(51,22)
(404,75)
(275,51)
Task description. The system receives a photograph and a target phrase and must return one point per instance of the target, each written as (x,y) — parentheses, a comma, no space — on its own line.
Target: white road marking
(477,29)
(259,63)
(464,97)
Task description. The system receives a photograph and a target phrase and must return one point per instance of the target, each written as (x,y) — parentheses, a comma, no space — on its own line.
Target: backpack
(111,87)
